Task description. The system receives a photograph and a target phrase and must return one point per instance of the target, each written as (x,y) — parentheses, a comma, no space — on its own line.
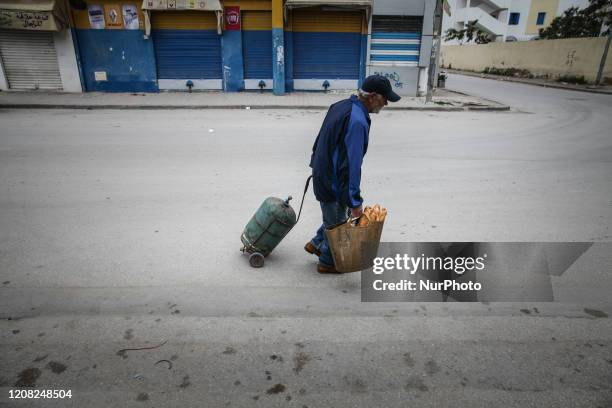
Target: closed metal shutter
(392,24)
(29,59)
(257,44)
(326,44)
(187,45)
(396,40)
(173,20)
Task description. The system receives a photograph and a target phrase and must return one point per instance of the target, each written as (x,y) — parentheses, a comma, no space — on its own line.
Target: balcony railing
(486,22)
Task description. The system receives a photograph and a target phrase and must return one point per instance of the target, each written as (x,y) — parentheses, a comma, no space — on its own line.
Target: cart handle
(303,196)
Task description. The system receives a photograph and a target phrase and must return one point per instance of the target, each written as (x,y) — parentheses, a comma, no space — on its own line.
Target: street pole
(435,50)
(278,47)
(604,57)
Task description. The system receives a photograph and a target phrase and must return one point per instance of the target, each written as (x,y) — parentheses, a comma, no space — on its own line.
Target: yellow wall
(316,20)
(277,14)
(80,18)
(256,20)
(249,4)
(184,20)
(552,58)
(537,6)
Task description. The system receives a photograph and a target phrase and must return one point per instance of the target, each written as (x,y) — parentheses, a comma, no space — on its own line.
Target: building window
(514,18)
(541,17)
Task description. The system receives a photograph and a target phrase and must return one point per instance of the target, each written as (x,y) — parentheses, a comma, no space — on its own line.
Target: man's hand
(356,212)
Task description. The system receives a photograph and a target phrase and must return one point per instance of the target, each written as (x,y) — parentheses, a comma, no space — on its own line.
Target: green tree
(575,22)
(469,33)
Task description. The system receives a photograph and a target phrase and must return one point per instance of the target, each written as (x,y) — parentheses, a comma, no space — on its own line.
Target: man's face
(377,102)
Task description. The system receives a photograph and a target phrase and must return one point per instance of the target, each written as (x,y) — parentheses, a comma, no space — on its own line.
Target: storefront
(187,48)
(327,44)
(115,53)
(33,37)
(257,48)
(208,44)
(395,50)
(401,43)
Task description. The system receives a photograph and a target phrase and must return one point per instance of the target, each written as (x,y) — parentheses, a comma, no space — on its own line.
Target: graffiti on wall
(25,20)
(393,77)
(571,57)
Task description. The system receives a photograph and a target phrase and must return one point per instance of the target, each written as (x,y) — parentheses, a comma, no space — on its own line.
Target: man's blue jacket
(338,152)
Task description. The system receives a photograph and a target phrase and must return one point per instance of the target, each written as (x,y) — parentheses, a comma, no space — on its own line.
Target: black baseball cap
(380,85)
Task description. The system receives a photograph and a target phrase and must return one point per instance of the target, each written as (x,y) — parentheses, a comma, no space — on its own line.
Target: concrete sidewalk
(443,100)
(547,83)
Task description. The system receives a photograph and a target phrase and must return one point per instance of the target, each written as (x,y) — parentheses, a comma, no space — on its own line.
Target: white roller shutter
(29,59)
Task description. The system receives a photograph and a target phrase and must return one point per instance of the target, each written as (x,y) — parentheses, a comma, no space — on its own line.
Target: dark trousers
(333,213)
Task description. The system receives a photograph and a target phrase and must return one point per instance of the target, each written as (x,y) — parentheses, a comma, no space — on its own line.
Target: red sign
(231,14)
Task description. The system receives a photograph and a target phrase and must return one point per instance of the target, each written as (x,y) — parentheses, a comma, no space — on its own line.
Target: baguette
(377,213)
(383,214)
(363,220)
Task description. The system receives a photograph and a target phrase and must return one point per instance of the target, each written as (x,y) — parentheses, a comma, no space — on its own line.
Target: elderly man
(336,160)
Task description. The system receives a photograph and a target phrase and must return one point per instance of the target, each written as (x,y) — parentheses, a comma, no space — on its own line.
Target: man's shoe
(311,249)
(326,269)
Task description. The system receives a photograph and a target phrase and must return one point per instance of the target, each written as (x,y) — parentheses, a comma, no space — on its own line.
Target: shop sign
(112,15)
(232,18)
(130,17)
(96,16)
(27,20)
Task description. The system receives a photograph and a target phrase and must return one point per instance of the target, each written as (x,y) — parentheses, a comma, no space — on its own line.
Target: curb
(492,108)
(527,82)
(501,108)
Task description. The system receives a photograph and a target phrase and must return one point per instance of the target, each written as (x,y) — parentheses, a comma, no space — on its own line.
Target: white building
(506,20)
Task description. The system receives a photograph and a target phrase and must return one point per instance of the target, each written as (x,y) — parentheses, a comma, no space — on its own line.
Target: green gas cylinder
(267,228)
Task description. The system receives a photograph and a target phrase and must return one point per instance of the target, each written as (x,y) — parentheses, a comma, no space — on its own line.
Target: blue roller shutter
(326,44)
(257,44)
(396,40)
(185,53)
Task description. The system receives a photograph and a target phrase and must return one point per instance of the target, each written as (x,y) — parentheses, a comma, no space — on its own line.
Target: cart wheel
(256,260)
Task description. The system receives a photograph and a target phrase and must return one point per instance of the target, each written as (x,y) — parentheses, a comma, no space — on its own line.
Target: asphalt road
(120,229)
